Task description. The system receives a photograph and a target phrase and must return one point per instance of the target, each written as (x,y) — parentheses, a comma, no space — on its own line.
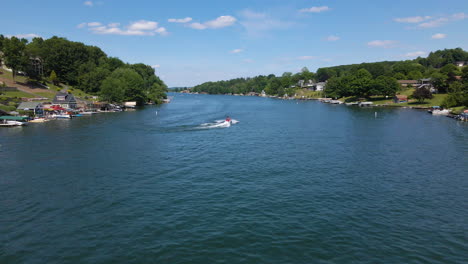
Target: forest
(363,80)
(85,67)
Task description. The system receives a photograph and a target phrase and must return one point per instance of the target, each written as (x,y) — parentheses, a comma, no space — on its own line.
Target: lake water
(292,182)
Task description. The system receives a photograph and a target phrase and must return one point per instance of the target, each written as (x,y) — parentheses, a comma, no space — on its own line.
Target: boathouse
(400,99)
(65,100)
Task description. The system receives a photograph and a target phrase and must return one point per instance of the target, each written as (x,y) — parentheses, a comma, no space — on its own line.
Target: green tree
(112,90)
(399,76)
(15,55)
(386,86)
(422,94)
(53,78)
(324,74)
(415,75)
(439,81)
(128,82)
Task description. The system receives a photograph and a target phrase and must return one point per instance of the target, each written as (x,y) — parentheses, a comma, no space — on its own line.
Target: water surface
(292,182)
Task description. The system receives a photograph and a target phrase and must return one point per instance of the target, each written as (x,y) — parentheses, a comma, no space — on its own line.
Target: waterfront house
(427,83)
(65,100)
(320,86)
(31,106)
(461,63)
(400,99)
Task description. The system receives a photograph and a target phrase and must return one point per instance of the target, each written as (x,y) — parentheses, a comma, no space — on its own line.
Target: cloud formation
(315,9)
(381,43)
(220,22)
(236,51)
(88,3)
(138,28)
(257,23)
(180,20)
(431,21)
(415,19)
(414,54)
(439,36)
(26,36)
(332,38)
(306,57)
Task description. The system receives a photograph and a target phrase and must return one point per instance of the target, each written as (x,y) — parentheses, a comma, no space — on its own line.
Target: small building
(427,83)
(65,100)
(461,63)
(320,86)
(263,94)
(30,106)
(400,99)
(406,83)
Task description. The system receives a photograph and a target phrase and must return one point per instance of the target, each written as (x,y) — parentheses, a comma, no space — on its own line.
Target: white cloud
(94,24)
(26,36)
(381,43)
(236,51)
(415,19)
(156,66)
(88,3)
(459,16)
(315,9)
(439,36)
(306,57)
(332,38)
(257,23)
(180,20)
(143,25)
(138,28)
(414,54)
(443,20)
(434,23)
(220,22)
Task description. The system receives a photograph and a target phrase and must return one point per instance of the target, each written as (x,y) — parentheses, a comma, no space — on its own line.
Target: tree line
(362,80)
(85,67)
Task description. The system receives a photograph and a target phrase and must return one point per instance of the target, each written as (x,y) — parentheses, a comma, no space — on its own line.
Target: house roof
(399,96)
(407,81)
(62,98)
(29,105)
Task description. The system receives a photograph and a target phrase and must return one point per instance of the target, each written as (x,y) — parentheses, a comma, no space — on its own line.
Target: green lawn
(308,94)
(381,100)
(16,94)
(8,75)
(49,95)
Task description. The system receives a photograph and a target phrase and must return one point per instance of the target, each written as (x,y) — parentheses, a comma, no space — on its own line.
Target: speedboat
(62,116)
(440,112)
(38,120)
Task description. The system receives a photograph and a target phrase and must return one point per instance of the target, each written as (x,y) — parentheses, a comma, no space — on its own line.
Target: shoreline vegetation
(41,69)
(441,79)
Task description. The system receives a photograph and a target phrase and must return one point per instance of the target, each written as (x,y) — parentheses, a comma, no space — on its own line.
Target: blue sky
(190,42)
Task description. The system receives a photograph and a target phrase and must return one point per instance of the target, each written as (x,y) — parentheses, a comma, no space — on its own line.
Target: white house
(320,86)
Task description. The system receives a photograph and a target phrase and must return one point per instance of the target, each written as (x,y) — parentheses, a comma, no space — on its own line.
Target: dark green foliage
(85,67)
(15,56)
(422,94)
(124,84)
(53,78)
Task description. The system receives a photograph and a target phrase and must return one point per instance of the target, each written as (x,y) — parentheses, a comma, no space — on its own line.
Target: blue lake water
(292,182)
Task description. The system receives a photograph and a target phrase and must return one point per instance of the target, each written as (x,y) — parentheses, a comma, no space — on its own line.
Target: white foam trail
(218,124)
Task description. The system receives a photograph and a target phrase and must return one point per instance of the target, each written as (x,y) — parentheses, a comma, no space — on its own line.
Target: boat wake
(218,124)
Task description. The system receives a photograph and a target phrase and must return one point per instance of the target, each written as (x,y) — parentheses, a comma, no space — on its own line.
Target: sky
(189,42)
